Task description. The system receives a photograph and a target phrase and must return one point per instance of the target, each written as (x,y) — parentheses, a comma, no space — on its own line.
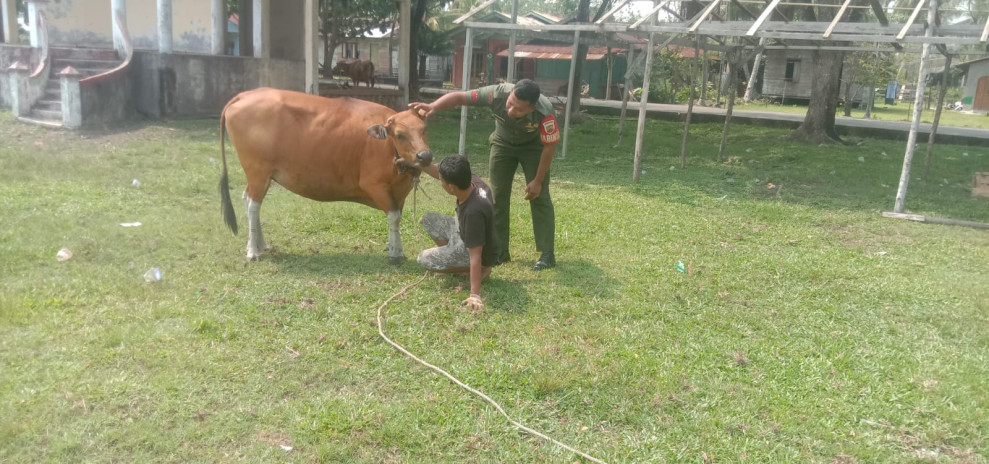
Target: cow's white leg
(255,238)
(395,254)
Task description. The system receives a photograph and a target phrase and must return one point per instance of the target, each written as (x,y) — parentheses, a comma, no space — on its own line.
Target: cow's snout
(424,158)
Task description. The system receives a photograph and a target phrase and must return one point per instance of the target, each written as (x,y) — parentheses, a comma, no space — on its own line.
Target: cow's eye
(400,136)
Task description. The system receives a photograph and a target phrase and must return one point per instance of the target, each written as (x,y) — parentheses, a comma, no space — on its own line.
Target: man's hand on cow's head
(405,165)
(423,110)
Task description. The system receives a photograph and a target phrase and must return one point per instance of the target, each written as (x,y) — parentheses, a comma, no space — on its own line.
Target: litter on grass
(64,254)
(153,275)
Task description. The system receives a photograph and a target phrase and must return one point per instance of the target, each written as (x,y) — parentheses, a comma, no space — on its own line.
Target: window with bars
(792,72)
(351,51)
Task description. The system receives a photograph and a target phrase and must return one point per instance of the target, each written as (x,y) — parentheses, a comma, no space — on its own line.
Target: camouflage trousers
(454,254)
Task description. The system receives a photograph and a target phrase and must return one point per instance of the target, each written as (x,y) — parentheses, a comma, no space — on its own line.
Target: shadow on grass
(335,264)
(584,279)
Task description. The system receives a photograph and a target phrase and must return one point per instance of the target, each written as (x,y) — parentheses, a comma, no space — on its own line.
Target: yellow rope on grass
(463,385)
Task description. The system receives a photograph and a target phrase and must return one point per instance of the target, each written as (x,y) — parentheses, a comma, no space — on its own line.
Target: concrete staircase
(47,111)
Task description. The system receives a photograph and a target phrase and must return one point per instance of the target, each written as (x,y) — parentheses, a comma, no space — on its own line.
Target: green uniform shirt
(537,127)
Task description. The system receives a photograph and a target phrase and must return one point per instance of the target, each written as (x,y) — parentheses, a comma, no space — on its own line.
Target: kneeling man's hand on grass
(473,303)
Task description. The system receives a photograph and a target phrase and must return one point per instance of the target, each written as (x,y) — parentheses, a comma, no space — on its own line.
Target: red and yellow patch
(548,130)
(473,96)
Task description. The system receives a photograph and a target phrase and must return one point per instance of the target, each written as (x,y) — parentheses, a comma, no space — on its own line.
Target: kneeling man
(467,243)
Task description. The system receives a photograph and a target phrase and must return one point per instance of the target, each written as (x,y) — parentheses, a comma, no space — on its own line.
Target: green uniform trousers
(502,165)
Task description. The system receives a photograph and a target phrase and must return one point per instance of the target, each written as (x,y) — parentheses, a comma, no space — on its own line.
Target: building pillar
(219,22)
(262,28)
(311,38)
(404,54)
(118,8)
(164,26)
(32,19)
(9,11)
(19,104)
(245,30)
(71,98)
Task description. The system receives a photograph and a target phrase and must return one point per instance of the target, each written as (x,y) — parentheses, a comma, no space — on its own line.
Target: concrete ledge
(850,127)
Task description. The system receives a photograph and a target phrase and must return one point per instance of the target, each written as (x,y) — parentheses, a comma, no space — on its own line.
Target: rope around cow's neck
(497,406)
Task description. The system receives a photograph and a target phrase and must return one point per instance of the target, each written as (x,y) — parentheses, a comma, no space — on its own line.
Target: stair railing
(27,89)
(102,97)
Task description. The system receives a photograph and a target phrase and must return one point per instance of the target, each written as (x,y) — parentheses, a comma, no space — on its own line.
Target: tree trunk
(418,10)
(819,123)
(578,80)
(583,16)
(849,79)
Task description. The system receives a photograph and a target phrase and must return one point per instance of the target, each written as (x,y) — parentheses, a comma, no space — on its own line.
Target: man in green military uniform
(526,133)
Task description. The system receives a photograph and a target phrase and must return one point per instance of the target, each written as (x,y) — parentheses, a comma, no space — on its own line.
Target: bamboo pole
(918,98)
(625,94)
(937,114)
(694,69)
(643,101)
(732,60)
(465,80)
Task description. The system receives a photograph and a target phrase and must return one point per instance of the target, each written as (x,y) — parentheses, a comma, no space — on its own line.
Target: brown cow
(358,71)
(325,149)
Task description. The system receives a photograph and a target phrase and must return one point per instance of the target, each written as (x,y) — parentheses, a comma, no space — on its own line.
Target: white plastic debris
(861,159)
(136,183)
(153,275)
(64,254)
(286,447)
(965,154)
(748,150)
(131,224)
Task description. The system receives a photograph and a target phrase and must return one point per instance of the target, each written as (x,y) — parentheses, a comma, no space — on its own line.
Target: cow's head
(407,132)
(341,67)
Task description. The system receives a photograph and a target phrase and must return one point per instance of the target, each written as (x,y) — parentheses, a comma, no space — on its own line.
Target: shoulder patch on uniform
(473,96)
(548,130)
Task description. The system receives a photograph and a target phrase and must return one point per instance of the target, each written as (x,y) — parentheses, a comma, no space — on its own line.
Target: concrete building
(975,89)
(91,62)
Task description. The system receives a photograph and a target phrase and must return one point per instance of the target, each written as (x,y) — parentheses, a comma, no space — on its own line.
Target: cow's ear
(378,131)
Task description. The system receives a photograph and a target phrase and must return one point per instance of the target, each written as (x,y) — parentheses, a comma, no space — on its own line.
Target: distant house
(547,64)
(789,75)
(975,88)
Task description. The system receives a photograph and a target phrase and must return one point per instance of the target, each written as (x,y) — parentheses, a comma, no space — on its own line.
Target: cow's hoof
(396,260)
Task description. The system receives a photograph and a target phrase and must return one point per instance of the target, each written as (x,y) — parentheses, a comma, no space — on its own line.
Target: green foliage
(341,19)
(872,69)
(805,328)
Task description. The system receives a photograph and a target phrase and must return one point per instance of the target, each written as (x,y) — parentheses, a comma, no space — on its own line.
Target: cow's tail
(229,216)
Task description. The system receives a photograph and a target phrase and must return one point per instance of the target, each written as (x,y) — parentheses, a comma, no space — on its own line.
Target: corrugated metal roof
(556,52)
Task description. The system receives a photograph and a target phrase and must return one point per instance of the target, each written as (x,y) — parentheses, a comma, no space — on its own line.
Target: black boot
(546,261)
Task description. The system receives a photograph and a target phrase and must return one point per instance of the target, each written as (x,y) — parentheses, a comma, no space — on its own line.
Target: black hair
(528,90)
(455,170)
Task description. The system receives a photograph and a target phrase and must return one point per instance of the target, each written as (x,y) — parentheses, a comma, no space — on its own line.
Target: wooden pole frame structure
(821,35)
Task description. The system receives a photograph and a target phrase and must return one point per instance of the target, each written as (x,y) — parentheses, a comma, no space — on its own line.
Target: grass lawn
(804,328)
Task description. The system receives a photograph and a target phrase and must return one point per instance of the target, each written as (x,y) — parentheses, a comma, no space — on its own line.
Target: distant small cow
(357,70)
